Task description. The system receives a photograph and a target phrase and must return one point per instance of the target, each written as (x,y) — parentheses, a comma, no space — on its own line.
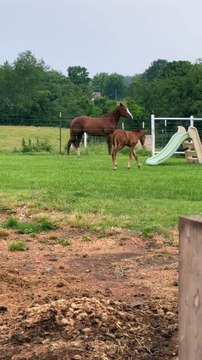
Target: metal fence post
(60,135)
(85,139)
(191,120)
(153,133)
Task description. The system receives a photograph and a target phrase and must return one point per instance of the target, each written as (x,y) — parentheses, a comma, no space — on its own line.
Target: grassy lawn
(86,188)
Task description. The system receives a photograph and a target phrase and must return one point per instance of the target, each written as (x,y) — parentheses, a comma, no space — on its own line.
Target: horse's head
(124,111)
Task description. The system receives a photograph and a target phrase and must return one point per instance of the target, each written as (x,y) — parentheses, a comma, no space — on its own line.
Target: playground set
(190,142)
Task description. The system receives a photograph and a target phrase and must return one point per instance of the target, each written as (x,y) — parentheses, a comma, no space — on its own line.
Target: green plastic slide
(171,147)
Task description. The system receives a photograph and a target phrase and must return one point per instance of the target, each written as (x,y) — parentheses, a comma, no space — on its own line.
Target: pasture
(148,200)
(103,282)
(11,136)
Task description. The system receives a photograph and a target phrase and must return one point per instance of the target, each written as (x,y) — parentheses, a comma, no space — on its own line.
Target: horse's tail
(73,138)
(72,131)
(75,127)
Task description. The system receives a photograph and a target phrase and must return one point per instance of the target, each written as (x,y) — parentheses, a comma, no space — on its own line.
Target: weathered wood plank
(190,288)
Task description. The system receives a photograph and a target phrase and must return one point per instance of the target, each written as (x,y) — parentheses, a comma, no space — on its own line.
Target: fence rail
(186,121)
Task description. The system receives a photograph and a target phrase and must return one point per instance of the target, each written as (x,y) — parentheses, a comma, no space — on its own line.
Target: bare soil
(104,296)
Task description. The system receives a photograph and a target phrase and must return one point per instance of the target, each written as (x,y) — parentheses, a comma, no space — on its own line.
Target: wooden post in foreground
(190,288)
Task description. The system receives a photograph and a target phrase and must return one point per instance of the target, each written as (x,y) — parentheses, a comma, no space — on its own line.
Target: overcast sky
(123,36)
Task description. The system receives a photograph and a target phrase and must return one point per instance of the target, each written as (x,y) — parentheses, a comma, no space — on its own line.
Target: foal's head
(124,111)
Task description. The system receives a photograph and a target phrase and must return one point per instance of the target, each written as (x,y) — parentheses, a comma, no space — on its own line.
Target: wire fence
(165,129)
(55,129)
(34,120)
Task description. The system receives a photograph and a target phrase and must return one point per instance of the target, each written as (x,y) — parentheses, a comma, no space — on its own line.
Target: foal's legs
(114,162)
(115,149)
(137,160)
(130,157)
(132,152)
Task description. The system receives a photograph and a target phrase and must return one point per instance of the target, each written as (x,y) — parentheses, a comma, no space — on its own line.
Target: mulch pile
(90,328)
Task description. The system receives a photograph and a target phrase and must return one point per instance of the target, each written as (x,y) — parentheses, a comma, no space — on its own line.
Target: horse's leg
(72,141)
(69,145)
(77,143)
(109,144)
(77,147)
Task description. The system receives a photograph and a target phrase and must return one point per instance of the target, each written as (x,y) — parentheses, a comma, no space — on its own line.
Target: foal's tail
(143,138)
(113,139)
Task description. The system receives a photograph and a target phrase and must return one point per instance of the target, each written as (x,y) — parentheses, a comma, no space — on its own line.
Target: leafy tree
(7,88)
(31,93)
(142,91)
(194,89)
(170,90)
(176,68)
(78,75)
(28,75)
(104,105)
(98,82)
(155,70)
(114,87)
(136,109)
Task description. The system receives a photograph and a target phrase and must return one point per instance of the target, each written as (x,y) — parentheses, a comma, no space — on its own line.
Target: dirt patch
(99,297)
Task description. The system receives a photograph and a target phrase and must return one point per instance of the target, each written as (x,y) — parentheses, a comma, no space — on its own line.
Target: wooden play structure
(190,141)
(192,145)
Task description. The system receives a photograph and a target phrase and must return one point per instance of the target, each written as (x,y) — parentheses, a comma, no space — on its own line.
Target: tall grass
(86,188)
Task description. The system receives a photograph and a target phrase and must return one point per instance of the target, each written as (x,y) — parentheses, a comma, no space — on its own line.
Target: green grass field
(11,137)
(86,188)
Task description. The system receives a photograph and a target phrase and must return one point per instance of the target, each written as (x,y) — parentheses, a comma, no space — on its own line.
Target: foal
(122,138)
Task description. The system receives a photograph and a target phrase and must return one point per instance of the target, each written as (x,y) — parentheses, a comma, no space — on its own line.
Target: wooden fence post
(190,288)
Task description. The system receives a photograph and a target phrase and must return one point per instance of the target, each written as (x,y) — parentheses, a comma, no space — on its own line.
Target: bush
(28,227)
(38,146)
(17,246)
(11,223)
(139,151)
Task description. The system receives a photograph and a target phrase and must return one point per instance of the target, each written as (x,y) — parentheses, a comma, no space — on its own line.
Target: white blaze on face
(129,113)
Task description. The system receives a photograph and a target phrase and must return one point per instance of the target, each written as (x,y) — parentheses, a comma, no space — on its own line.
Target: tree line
(31,93)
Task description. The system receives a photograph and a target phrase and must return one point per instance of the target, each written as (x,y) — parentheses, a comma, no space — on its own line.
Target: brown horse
(103,126)
(122,138)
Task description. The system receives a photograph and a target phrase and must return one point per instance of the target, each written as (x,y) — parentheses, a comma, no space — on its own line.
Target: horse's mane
(105,115)
(110,113)
(139,130)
